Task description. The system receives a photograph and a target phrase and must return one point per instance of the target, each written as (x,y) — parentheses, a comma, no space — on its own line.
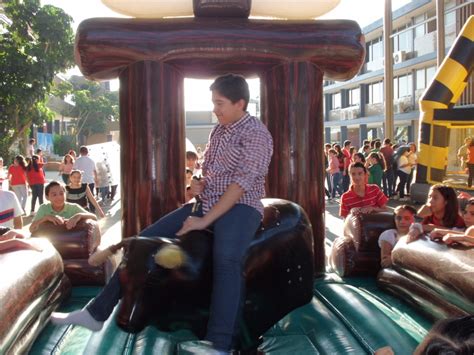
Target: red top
(18,175)
(373,197)
(459,223)
(36,177)
(470,154)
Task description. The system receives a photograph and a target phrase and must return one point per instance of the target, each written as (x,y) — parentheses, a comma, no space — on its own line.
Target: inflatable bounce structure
(437,114)
(297,301)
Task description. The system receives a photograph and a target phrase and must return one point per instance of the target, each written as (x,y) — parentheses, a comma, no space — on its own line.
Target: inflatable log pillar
(152,56)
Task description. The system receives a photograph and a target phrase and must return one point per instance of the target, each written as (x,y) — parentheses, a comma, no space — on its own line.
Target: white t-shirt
(389,236)
(402,161)
(9,208)
(87,166)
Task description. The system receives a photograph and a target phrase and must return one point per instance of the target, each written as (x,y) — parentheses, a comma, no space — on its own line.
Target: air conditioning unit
(399,57)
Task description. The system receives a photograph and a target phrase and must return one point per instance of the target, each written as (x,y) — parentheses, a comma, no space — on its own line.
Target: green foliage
(38,44)
(94,107)
(62,144)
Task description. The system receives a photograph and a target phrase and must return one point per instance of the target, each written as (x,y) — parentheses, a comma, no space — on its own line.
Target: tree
(38,44)
(94,107)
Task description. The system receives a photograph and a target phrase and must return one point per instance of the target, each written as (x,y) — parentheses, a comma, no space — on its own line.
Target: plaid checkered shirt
(237,153)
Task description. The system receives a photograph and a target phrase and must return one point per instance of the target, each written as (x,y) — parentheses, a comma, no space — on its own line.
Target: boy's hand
(197,186)
(192,223)
(72,222)
(56,220)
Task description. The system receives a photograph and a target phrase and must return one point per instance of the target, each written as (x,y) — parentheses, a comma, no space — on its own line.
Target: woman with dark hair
(449,336)
(441,210)
(470,163)
(66,167)
(358,158)
(35,175)
(376,166)
(17,179)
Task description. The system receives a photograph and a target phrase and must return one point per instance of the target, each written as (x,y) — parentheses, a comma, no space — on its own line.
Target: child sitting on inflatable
(58,211)
(404,217)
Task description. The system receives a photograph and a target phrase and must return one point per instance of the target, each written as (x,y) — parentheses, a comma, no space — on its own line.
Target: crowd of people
(363,179)
(390,166)
(86,184)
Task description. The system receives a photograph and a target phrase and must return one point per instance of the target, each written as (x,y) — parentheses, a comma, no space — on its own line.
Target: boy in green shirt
(58,211)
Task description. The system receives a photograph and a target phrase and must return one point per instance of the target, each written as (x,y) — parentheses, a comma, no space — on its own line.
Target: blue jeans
(233,233)
(387,180)
(336,184)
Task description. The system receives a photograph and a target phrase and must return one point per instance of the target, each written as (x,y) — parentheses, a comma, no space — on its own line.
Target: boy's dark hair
(358,165)
(361,157)
(377,144)
(327,145)
(83,150)
(333,151)
(191,155)
(232,86)
(387,141)
(449,336)
(50,186)
(32,140)
(346,143)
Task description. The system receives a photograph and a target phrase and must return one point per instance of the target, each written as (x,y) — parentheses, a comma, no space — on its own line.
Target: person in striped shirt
(361,196)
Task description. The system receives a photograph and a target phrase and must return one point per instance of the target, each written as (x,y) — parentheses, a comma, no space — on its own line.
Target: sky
(363,11)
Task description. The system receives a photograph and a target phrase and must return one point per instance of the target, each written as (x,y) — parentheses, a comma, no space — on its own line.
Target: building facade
(355,109)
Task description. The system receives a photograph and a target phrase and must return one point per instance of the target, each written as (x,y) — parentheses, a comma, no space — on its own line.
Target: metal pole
(388,70)
(440,40)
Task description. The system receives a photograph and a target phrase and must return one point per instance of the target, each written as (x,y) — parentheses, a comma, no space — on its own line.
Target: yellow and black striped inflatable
(437,114)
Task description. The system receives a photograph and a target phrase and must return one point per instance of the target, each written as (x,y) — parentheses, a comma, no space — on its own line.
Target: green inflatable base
(350,316)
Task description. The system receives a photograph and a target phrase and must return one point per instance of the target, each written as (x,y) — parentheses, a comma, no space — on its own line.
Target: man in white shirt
(10,210)
(89,172)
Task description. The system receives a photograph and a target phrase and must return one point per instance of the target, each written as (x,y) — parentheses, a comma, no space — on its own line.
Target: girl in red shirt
(35,175)
(17,179)
(440,210)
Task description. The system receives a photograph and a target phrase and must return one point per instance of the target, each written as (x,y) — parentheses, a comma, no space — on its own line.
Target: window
(430,73)
(420,79)
(354,97)
(375,93)
(375,49)
(404,40)
(404,86)
(336,101)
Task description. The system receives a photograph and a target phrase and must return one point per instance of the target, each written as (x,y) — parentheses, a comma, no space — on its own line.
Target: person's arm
(415,232)
(92,200)
(424,211)
(439,233)
(18,222)
(230,197)
(385,254)
(74,220)
(463,239)
(57,220)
